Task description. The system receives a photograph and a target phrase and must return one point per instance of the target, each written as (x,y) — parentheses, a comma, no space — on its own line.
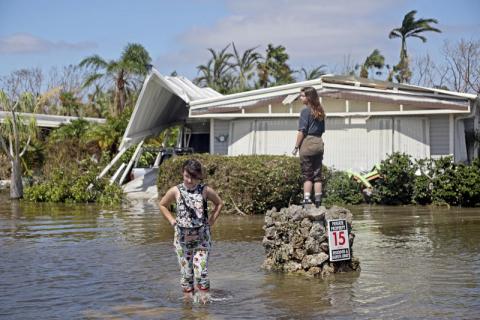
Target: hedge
(255,184)
(246,184)
(428,181)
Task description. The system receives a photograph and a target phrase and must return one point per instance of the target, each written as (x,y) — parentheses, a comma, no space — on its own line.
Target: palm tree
(314,73)
(274,66)
(374,60)
(17,131)
(71,104)
(126,72)
(410,28)
(245,64)
(216,73)
(205,79)
(107,136)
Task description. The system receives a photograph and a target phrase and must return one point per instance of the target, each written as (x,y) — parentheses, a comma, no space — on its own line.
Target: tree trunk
(16,186)
(120,94)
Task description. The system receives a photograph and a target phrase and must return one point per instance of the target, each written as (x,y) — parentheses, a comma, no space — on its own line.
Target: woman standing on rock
(192,227)
(311,126)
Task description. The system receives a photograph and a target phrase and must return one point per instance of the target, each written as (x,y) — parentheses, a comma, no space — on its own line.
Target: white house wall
(258,136)
(275,136)
(241,137)
(350,143)
(412,136)
(359,144)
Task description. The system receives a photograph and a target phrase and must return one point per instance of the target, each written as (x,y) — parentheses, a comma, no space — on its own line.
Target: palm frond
(424,39)
(91,79)
(395,33)
(94,61)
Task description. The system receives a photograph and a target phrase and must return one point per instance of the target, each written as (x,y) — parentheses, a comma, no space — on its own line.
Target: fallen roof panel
(163,102)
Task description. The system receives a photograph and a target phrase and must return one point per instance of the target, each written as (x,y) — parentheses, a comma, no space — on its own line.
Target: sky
(55,33)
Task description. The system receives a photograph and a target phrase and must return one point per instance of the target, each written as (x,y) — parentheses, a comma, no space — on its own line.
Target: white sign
(338,243)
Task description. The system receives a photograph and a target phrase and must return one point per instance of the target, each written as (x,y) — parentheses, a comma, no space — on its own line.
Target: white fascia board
(256,94)
(333,114)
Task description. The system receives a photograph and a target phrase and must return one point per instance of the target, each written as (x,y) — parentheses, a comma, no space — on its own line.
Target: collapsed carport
(163,102)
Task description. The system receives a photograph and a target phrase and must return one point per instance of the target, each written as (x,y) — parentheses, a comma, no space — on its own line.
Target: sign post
(339,246)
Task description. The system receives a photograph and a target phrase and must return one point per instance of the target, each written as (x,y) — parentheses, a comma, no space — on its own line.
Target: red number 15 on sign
(339,238)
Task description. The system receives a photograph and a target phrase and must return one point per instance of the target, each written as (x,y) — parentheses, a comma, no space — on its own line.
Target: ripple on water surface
(77,261)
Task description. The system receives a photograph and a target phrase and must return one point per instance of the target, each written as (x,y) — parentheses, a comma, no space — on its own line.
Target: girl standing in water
(192,225)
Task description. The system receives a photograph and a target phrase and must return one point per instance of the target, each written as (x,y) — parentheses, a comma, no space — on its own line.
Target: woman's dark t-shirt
(308,125)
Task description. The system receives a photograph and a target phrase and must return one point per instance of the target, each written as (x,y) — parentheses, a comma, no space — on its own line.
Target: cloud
(313,31)
(27,43)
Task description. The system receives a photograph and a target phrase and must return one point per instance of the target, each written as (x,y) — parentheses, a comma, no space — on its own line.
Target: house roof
(48,120)
(163,102)
(338,87)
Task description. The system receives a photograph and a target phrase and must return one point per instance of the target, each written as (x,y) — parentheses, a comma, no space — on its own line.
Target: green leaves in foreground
(72,187)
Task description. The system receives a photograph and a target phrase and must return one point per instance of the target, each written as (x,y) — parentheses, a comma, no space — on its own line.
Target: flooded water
(85,262)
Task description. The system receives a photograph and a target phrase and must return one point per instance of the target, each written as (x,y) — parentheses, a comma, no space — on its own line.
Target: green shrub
(255,184)
(423,185)
(110,195)
(397,176)
(71,185)
(248,184)
(445,182)
(146,159)
(73,130)
(468,177)
(340,189)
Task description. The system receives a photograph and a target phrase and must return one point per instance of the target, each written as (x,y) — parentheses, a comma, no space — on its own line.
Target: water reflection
(310,297)
(85,261)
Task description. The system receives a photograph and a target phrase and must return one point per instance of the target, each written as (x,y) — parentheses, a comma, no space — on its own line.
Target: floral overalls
(192,237)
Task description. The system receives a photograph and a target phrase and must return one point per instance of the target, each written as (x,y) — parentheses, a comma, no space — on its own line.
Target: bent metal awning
(163,102)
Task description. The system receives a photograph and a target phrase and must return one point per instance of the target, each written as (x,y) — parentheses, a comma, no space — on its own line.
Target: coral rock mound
(296,241)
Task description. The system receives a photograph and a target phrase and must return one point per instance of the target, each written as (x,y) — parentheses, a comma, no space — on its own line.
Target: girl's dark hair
(314,102)
(194,168)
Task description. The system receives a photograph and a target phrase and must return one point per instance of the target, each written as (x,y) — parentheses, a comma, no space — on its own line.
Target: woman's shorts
(311,158)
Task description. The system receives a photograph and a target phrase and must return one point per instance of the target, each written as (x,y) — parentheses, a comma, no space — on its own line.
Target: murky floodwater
(84,262)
